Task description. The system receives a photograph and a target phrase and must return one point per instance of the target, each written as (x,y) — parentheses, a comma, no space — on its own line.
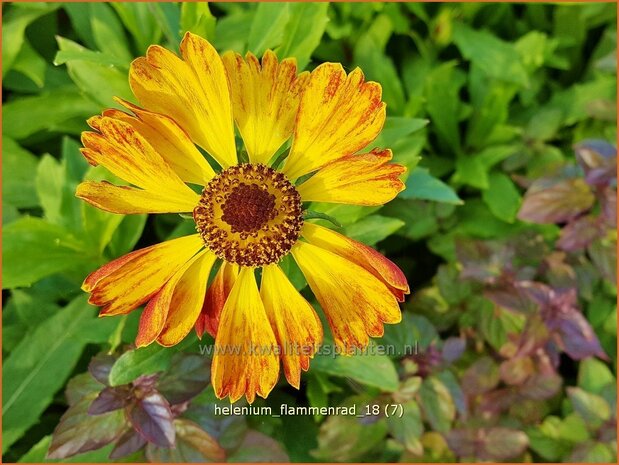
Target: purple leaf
(188,376)
(152,418)
(579,233)
(453,348)
(549,201)
(127,444)
(193,444)
(80,386)
(599,161)
(80,432)
(487,443)
(108,400)
(509,294)
(609,207)
(577,337)
(542,386)
(100,367)
(516,370)
(480,377)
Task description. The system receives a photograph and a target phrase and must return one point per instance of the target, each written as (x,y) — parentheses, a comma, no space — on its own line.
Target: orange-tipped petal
(246,360)
(361,254)
(265,100)
(215,299)
(339,114)
(366,179)
(169,140)
(128,200)
(355,301)
(129,281)
(297,328)
(186,301)
(156,312)
(126,153)
(193,91)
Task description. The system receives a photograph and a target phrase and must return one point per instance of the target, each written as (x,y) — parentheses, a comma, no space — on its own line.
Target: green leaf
(39,366)
(371,369)
(373,228)
(442,87)
(197,18)
(144,361)
(38,453)
(397,128)
(99,81)
(408,428)
(268,27)
(594,375)
(299,41)
(494,57)
(471,171)
(437,404)
(94,431)
(34,248)
(139,20)
(591,407)
(18,188)
(50,180)
(422,185)
(107,31)
(347,439)
(370,56)
(14,25)
(31,64)
(502,197)
(47,111)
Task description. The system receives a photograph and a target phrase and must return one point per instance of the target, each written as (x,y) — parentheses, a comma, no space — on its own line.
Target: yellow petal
(265,100)
(193,91)
(156,311)
(129,200)
(169,140)
(129,281)
(246,360)
(186,302)
(374,262)
(355,301)
(215,299)
(297,328)
(366,179)
(338,116)
(127,154)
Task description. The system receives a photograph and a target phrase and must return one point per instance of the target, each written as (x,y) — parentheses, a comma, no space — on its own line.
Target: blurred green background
(502,114)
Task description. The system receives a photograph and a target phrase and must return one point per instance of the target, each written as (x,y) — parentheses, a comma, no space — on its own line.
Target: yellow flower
(249,215)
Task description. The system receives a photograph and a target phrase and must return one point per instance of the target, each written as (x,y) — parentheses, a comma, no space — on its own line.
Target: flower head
(249,215)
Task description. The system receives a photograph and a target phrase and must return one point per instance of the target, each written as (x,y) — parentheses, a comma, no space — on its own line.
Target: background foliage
(507,238)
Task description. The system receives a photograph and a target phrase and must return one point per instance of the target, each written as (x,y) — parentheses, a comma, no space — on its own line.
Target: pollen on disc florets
(249,214)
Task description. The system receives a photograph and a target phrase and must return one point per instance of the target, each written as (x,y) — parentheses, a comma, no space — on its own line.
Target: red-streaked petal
(297,328)
(128,200)
(215,299)
(356,303)
(193,91)
(186,301)
(245,361)
(339,114)
(361,254)
(129,281)
(265,100)
(366,179)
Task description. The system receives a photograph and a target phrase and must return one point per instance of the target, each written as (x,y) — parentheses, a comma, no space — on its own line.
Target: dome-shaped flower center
(249,214)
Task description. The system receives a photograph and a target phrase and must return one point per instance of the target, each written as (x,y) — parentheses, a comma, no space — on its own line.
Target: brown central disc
(248,208)
(249,214)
